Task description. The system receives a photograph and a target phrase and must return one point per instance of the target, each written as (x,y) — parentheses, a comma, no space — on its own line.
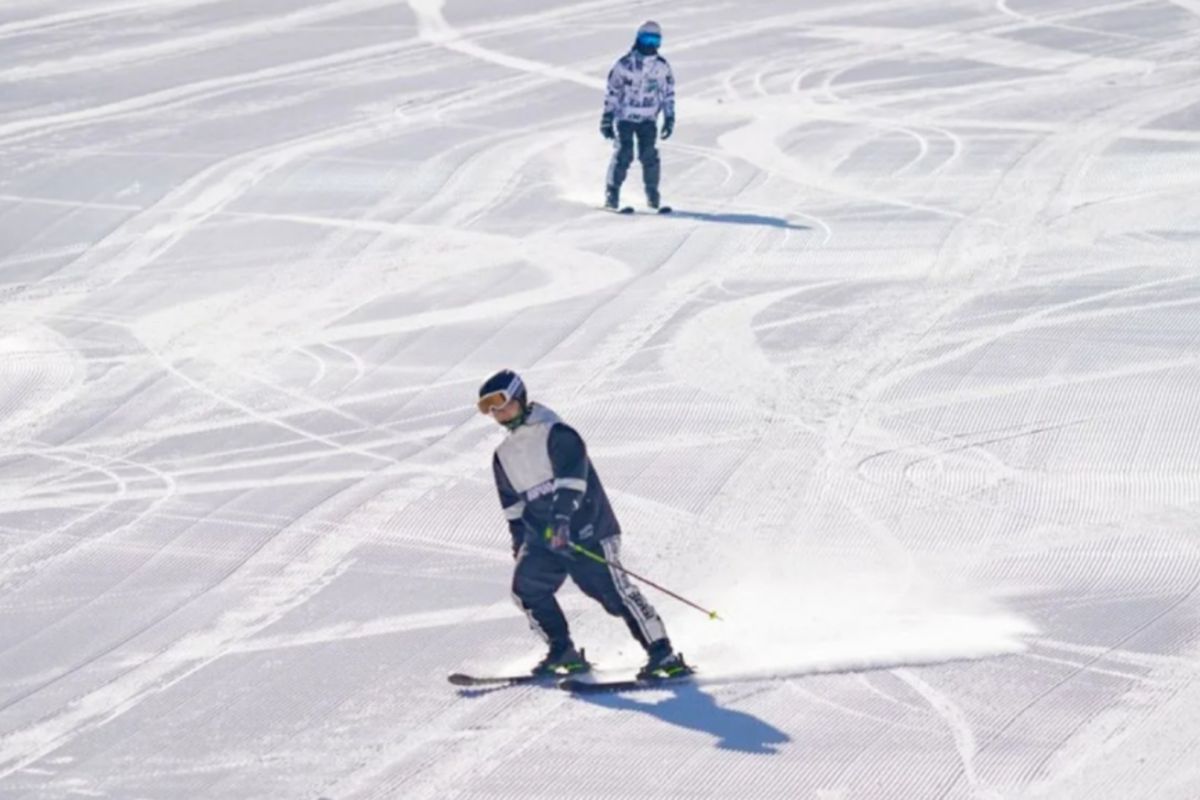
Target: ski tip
(459,679)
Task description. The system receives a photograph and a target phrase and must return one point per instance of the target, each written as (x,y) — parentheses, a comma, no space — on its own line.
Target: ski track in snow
(904,390)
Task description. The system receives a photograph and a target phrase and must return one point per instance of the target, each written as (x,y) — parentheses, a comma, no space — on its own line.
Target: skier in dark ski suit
(640,86)
(553,500)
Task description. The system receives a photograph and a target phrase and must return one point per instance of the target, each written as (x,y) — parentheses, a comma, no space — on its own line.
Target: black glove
(606,126)
(668,127)
(558,536)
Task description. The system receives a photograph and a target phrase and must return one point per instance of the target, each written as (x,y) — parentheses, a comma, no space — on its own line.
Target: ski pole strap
(601,560)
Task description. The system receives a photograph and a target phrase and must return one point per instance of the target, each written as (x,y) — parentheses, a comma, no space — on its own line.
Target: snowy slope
(906,390)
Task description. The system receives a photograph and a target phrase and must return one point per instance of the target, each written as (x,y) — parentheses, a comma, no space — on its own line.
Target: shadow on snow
(740,219)
(688,706)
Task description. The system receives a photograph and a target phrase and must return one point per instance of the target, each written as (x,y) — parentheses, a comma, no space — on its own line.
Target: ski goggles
(490,402)
(649,39)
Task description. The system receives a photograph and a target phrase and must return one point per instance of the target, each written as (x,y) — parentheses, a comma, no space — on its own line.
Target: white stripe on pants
(647,619)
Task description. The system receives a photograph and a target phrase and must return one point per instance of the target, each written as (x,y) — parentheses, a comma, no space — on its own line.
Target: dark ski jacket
(543,472)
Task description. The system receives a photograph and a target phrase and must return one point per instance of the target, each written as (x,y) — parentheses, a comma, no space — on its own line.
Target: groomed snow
(906,390)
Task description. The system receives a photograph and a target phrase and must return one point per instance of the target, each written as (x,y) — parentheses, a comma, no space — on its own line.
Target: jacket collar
(538,414)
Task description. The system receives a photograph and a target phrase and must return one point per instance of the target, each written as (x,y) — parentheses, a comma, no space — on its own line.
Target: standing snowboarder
(554,502)
(640,86)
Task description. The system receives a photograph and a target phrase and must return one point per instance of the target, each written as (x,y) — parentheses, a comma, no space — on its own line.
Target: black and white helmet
(497,390)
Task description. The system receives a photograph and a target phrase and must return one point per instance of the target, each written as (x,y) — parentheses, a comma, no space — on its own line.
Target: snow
(905,391)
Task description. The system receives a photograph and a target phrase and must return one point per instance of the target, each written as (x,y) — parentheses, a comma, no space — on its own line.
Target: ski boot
(663,663)
(612,198)
(654,201)
(562,661)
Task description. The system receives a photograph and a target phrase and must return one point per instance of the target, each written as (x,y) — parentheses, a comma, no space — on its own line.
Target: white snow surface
(906,391)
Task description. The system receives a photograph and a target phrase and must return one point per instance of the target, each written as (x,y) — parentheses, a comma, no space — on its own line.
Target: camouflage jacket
(640,86)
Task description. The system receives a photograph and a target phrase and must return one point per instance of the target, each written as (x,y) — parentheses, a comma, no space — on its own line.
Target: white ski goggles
(493,400)
(490,402)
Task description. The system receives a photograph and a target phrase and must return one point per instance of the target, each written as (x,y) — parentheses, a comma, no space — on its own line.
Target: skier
(554,502)
(640,85)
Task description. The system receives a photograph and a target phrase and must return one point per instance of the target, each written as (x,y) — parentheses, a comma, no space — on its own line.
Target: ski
(462,679)
(581,686)
(630,210)
(499,681)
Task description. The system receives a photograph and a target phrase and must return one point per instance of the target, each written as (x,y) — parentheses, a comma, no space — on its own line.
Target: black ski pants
(645,133)
(540,573)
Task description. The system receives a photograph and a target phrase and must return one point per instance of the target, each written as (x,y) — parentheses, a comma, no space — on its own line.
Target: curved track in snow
(905,389)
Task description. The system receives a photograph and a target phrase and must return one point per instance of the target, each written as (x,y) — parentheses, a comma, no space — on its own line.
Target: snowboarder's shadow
(740,219)
(690,707)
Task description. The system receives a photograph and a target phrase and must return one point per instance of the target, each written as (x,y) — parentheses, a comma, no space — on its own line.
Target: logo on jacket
(541,490)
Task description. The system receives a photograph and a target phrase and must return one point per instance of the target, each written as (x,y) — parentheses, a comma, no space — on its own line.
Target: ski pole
(647,581)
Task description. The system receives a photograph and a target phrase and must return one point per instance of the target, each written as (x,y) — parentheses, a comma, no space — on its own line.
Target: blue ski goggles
(649,39)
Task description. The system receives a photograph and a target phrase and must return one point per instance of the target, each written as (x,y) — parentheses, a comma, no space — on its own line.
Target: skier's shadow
(689,707)
(740,219)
